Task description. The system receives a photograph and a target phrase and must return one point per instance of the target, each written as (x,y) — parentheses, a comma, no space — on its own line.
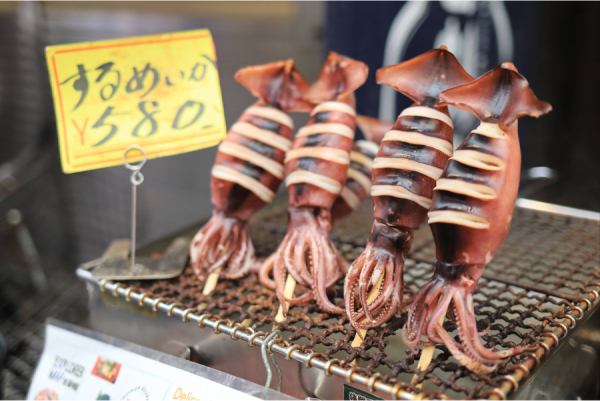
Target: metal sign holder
(119,262)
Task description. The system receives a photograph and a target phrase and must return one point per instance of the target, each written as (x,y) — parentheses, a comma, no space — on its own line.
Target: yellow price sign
(160,92)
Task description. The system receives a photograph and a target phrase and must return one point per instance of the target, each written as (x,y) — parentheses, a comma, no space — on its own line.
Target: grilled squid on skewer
(356,187)
(315,170)
(249,167)
(471,212)
(411,157)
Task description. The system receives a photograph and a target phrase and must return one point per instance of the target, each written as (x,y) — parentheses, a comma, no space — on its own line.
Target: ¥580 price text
(112,83)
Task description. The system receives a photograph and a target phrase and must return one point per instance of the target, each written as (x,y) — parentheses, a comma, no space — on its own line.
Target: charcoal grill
(542,284)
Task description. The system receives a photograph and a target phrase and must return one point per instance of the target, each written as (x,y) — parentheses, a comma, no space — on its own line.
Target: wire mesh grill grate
(543,277)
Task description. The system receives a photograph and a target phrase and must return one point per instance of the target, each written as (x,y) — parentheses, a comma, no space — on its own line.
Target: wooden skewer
(357,342)
(209,286)
(288,292)
(426,357)
(211,281)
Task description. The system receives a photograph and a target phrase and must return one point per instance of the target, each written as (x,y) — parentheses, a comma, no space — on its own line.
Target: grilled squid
(410,159)
(249,168)
(471,213)
(357,185)
(315,168)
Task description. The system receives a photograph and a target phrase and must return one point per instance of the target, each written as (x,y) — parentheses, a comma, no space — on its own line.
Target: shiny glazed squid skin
(357,186)
(249,168)
(471,213)
(358,181)
(411,157)
(315,170)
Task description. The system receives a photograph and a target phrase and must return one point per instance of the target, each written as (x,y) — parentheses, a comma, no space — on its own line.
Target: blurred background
(50,222)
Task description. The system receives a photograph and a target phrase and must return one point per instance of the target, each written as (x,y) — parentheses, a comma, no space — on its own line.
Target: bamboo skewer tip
(358,339)
(210,285)
(288,292)
(426,357)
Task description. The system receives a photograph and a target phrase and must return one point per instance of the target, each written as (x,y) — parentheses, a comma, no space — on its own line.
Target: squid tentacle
(388,310)
(471,307)
(279,274)
(466,322)
(356,279)
(436,297)
(363,284)
(417,318)
(328,257)
(388,298)
(265,270)
(222,242)
(384,255)
(300,300)
(413,327)
(350,285)
(385,267)
(309,256)
(223,248)
(243,260)
(486,352)
(299,268)
(438,312)
(199,246)
(463,358)
(284,259)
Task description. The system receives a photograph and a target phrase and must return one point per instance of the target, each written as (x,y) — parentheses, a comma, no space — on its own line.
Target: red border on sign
(62,113)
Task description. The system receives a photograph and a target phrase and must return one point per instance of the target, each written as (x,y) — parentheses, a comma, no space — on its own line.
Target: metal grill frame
(347,371)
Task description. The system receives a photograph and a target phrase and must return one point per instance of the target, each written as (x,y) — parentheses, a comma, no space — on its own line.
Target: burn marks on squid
(445,200)
(244,167)
(398,212)
(315,165)
(360,167)
(411,180)
(418,153)
(253,144)
(471,169)
(263,123)
(426,126)
(322,117)
(459,171)
(254,147)
(236,197)
(410,159)
(316,140)
(481,143)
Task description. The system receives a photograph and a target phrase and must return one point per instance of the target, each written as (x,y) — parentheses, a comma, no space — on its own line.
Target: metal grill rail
(545,277)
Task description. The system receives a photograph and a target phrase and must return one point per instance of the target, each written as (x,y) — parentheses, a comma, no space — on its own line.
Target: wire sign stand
(137,178)
(119,261)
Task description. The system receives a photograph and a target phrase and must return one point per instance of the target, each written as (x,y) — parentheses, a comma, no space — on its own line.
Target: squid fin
(501,95)
(373,129)
(339,77)
(278,83)
(425,76)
